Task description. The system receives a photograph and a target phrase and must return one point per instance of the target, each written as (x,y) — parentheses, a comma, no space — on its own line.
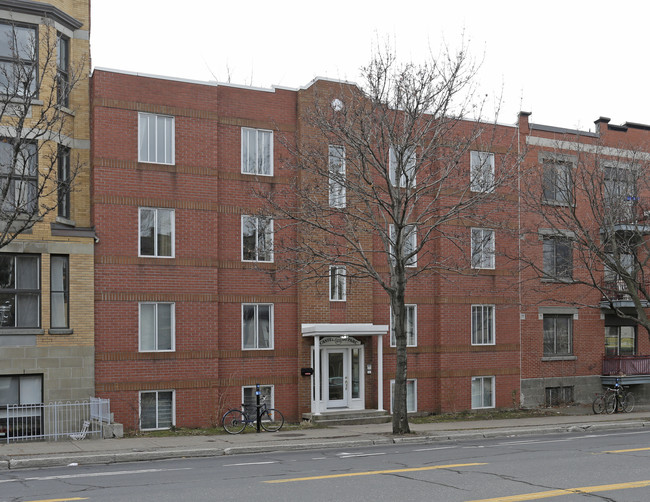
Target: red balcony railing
(626,365)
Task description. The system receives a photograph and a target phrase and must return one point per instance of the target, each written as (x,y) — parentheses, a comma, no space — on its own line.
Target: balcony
(630,369)
(617,292)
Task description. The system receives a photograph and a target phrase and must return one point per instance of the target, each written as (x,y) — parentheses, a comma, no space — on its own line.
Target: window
(401,163)
(155,138)
(21,390)
(558,258)
(620,192)
(337,176)
(157,409)
(481,171)
(62,72)
(257,326)
(626,264)
(20,291)
(482,392)
(482,248)
(556,396)
(483,324)
(557,181)
(18,59)
(411,396)
(337,283)
(157,327)
(249,398)
(156,232)
(558,335)
(257,152)
(410,242)
(411,327)
(620,340)
(63,182)
(59,291)
(257,238)
(21,175)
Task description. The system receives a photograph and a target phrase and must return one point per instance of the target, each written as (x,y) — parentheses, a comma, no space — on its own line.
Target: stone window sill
(559,358)
(60,331)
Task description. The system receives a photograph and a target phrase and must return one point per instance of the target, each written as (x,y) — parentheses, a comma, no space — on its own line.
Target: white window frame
(569,337)
(476,340)
(155,240)
(413,393)
(483,379)
(483,243)
(411,242)
(481,171)
(337,283)
(172,326)
(411,310)
(248,408)
(408,169)
(256,322)
(173,406)
(336,168)
(268,238)
(167,122)
(255,170)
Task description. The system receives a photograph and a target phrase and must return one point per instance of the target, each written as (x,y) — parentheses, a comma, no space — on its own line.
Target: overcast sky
(568,62)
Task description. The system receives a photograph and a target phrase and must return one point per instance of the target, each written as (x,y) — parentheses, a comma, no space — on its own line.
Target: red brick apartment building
(572,340)
(188,318)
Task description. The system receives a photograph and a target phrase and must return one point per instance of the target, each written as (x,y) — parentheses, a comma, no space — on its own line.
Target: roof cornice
(41,9)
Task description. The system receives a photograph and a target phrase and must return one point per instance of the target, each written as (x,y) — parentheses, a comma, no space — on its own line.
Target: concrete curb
(110,458)
(80,458)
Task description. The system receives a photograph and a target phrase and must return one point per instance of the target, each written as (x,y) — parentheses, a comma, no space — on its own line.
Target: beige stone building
(46,251)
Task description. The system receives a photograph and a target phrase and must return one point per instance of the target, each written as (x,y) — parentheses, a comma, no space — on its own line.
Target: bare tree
(37,170)
(383,182)
(591,201)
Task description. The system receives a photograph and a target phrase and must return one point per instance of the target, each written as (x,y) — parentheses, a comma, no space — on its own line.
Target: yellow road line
(371,473)
(625,451)
(568,491)
(60,500)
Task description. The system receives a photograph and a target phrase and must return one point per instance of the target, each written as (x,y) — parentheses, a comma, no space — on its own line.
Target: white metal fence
(55,421)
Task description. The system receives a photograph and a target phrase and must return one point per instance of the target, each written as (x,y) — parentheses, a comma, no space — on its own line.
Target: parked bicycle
(234,421)
(614,399)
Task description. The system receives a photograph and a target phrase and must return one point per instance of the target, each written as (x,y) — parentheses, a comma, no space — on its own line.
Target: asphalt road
(611,466)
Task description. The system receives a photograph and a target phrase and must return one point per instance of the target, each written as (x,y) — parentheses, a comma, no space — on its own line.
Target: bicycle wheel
(272,420)
(610,403)
(599,404)
(627,403)
(234,422)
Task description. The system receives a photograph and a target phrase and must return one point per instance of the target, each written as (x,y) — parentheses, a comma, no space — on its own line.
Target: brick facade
(209,284)
(60,360)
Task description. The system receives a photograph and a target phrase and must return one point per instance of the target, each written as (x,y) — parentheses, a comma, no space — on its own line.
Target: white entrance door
(337,378)
(340,374)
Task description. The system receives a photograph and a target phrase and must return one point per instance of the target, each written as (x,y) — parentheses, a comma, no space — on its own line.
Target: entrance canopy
(342,375)
(344,329)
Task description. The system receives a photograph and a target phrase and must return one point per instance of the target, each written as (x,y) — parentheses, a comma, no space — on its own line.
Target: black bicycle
(234,421)
(614,399)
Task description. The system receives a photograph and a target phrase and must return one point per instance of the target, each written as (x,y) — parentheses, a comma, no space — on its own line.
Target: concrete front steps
(348,417)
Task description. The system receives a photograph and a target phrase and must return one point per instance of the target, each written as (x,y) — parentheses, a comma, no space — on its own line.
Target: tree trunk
(400,417)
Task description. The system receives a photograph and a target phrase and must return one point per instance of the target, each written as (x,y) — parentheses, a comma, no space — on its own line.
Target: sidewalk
(105,451)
